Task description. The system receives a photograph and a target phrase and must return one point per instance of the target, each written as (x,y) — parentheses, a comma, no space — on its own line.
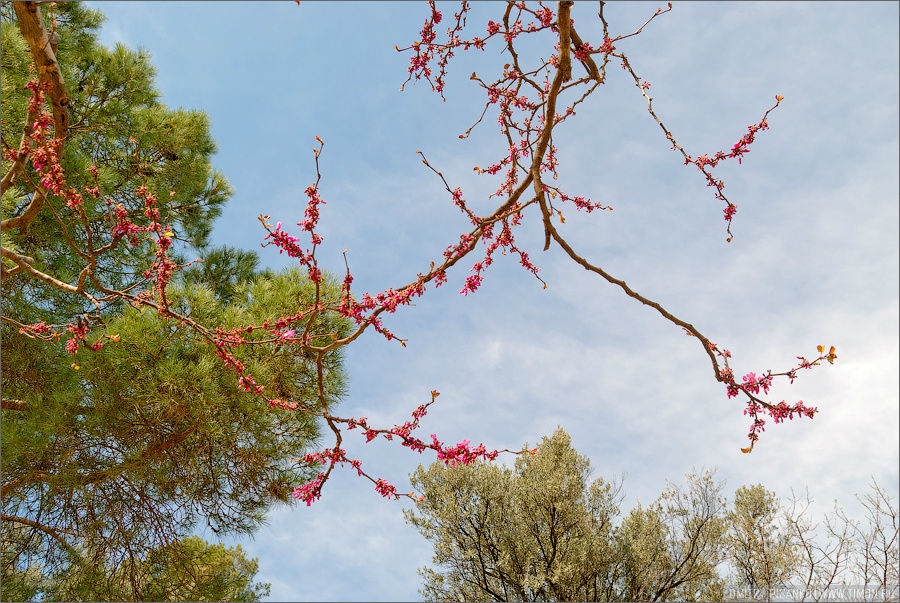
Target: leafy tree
(671,549)
(224,269)
(162,438)
(759,545)
(186,570)
(539,532)
(545,532)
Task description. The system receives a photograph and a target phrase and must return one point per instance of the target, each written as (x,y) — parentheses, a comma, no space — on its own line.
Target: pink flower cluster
(740,148)
(245,381)
(311,491)
(385,489)
(288,244)
(778,413)
(544,15)
(782,410)
(45,155)
(584,50)
(607,46)
(162,267)
(579,201)
(36,328)
(312,214)
(123,225)
(426,49)
(461,453)
(752,385)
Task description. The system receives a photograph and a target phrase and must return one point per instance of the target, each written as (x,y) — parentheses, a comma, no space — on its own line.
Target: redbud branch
(658,12)
(631,293)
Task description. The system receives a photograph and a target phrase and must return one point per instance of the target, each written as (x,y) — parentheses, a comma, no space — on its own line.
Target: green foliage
(113,455)
(152,433)
(539,532)
(187,570)
(224,269)
(761,548)
(119,125)
(546,532)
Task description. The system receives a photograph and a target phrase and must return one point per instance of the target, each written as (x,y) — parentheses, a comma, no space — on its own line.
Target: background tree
(824,549)
(545,532)
(760,545)
(671,550)
(186,570)
(224,269)
(876,539)
(539,532)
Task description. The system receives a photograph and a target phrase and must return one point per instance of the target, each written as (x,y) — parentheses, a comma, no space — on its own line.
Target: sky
(814,260)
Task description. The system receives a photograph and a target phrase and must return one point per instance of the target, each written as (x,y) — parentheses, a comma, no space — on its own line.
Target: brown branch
(563,73)
(24,262)
(564,23)
(39,39)
(43,46)
(13,404)
(104,474)
(24,219)
(159,448)
(53,532)
(647,302)
(587,61)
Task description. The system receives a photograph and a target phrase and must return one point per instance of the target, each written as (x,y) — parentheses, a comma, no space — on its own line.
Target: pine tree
(112,453)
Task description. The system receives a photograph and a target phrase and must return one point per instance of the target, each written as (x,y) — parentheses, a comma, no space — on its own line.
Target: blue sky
(814,259)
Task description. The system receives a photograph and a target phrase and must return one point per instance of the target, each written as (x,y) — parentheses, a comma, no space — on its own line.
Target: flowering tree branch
(530,101)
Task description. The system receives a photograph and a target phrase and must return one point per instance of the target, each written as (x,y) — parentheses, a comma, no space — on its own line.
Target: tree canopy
(116,447)
(545,531)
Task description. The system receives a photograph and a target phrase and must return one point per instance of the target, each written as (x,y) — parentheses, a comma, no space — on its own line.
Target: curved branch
(52,532)
(24,262)
(24,219)
(103,474)
(632,293)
